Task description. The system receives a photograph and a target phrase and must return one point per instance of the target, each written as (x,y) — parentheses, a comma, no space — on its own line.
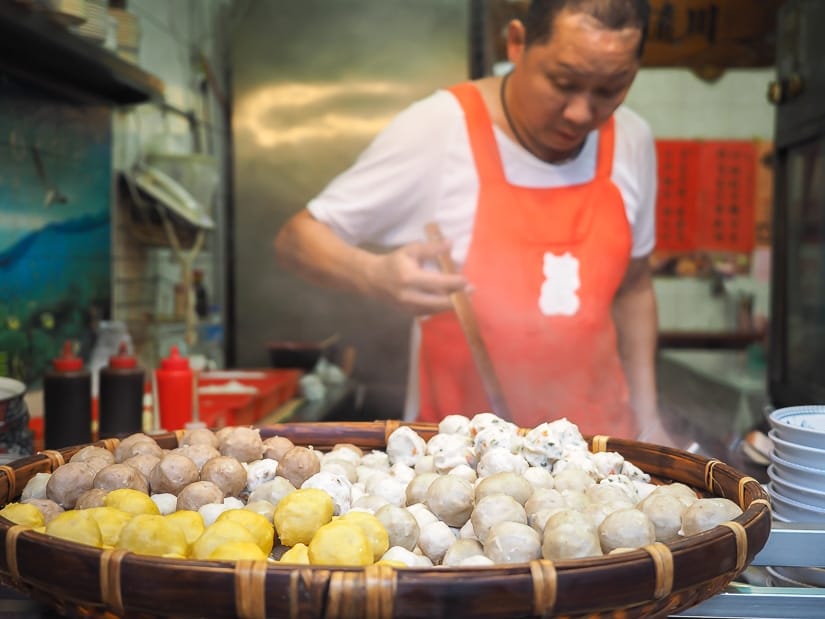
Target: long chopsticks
(469,325)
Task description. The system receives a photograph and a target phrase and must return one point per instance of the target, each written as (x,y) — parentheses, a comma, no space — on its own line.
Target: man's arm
(311,249)
(636,320)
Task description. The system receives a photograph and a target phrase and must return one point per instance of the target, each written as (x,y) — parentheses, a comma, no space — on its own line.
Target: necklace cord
(507,117)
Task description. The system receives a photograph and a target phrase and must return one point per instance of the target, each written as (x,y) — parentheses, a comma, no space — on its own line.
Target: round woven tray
(660,579)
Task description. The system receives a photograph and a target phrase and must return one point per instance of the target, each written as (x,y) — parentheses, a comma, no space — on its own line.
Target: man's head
(575,61)
(612,14)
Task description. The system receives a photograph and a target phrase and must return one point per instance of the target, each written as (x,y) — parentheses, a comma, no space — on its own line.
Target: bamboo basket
(658,580)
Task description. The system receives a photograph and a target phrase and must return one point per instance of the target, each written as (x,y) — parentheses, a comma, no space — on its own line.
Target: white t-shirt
(421,169)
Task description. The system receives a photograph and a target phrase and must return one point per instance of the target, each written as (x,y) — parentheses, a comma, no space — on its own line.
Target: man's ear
(515,40)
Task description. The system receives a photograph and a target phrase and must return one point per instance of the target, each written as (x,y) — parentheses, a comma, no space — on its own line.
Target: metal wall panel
(313,82)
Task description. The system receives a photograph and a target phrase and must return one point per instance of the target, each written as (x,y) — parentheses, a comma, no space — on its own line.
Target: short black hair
(613,14)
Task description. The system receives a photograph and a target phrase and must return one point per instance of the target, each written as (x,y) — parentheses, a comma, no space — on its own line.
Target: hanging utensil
(469,325)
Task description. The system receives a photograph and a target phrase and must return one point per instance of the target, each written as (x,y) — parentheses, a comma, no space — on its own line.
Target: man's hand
(401,278)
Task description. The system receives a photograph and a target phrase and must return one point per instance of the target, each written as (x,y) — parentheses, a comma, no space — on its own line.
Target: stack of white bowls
(797,478)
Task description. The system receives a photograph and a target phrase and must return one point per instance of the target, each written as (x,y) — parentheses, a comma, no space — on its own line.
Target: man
(545,189)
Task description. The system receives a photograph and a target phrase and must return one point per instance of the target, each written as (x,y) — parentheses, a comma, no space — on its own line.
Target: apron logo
(561,281)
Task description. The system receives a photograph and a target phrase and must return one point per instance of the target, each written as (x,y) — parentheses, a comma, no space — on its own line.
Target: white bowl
(814,498)
(794,511)
(796,453)
(804,425)
(798,474)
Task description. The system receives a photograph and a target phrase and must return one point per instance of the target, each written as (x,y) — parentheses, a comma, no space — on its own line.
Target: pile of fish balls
(479,492)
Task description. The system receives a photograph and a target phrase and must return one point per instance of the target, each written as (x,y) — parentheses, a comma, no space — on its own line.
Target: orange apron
(545,265)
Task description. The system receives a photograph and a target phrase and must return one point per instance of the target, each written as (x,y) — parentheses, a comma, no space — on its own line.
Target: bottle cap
(122,360)
(67,361)
(175,361)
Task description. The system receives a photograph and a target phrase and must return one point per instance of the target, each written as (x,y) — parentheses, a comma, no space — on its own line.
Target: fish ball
(704,514)
(626,528)
(512,542)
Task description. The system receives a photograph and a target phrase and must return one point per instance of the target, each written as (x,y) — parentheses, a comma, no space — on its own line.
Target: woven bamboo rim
(659,579)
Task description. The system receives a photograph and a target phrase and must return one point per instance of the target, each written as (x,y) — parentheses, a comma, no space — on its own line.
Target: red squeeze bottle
(174,390)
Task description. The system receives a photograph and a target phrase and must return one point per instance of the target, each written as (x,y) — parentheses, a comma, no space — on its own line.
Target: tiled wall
(677,104)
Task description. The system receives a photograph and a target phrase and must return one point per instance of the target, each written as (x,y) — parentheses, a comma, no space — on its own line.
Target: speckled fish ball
(454,424)
(402,473)
(570,540)
(504,483)
(242,443)
(336,486)
(497,437)
(388,487)
(68,482)
(512,542)
(199,453)
(624,483)
(172,473)
(259,472)
(276,446)
(450,450)
(500,460)
(272,491)
(405,445)
(298,464)
(120,475)
(495,508)
(91,452)
(199,436)
(123,448)
(143,463)
(608,462)
(482,421)
(435,539)
(460,550)
(665,512)
(35,488)
(402,527)
(450,498)
(705,514)
(626,528)
(91,498)
(199,493)
(572,479)
(377,460)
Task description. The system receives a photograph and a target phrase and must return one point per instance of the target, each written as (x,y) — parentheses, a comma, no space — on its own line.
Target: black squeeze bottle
(67,401)
(120,397)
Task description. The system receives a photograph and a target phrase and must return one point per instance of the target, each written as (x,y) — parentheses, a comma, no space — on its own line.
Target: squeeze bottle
(121,395)
(67,401)
(175,390)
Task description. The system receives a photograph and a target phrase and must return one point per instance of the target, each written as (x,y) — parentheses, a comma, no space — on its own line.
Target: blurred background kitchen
(150,150)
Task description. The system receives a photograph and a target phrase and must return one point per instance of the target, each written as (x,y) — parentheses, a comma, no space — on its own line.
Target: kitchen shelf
(36,49)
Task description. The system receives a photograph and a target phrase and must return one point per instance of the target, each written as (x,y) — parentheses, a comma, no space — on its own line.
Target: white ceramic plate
(794,511)
(804,425)
(795,492)
(796,453)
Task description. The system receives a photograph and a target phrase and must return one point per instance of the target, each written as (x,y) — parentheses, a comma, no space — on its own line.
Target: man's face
(566,87)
